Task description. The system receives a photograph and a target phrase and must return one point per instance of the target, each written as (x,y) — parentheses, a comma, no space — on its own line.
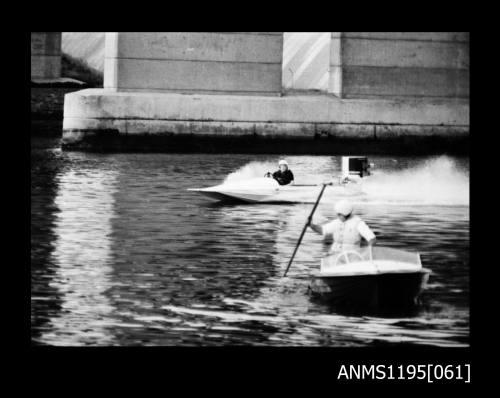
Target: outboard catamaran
(267,190)
(372,277)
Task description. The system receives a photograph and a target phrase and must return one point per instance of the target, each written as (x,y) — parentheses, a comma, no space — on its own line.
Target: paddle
(305,226)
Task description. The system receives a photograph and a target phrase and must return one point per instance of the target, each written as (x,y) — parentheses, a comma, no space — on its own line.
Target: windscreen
(372,253)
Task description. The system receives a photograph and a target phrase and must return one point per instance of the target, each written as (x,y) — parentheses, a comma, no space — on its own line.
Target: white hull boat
(267,190)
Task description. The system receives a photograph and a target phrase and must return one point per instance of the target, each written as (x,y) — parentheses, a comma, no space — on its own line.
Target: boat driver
(347,230)
(284,175)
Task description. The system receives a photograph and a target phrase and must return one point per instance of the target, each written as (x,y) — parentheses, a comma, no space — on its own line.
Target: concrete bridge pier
(48,87)
(222,91)
(45,55)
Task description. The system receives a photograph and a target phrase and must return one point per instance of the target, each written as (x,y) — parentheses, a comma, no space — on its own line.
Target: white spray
(436,181)
(433,181)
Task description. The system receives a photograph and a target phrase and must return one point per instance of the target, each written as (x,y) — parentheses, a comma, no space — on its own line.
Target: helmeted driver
(284,175)
(347,230)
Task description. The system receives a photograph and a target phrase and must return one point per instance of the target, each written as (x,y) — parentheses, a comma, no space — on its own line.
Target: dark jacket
(283,177)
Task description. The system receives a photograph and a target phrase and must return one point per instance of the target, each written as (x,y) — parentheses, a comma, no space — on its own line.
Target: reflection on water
(81,258)
(123,254)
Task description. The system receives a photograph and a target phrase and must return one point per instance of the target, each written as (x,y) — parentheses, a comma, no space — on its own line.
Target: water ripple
(122,254)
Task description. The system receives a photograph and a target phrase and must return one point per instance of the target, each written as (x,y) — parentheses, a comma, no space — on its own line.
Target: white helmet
(282,162)
(343,207)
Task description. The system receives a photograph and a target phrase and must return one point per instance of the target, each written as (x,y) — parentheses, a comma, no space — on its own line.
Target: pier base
(107,120)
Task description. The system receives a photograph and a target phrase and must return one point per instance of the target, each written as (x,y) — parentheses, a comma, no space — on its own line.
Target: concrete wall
(399,64)
(200,62)
(45,55)
(134,114)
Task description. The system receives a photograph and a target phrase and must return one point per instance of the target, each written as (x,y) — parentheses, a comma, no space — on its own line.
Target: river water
(123,254)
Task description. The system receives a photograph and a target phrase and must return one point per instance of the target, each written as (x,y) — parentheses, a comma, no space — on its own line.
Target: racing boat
(267,190)
(375,277)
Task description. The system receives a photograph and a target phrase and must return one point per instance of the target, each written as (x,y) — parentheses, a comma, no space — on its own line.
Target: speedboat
(374,277)
(267,190)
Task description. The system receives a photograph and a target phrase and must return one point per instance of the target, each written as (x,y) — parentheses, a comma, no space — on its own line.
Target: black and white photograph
(257,189)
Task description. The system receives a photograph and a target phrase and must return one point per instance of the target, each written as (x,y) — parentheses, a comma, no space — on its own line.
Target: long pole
(309,219)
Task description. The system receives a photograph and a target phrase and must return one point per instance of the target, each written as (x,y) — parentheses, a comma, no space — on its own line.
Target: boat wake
(437,181)
(249,171)
(434,181)
(311,329)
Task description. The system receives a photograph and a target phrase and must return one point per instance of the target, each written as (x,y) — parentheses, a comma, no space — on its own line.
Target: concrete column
(399,64)
(45,55)
(246,63)
(335,82)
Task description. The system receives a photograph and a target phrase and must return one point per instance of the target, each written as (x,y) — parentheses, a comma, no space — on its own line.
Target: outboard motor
(354,167)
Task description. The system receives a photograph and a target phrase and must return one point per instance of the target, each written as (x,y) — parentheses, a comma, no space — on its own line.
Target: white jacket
(347,234)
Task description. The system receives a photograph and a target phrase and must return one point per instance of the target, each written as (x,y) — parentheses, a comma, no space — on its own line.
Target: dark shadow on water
(235,202)
(347,309)
(224,203)
(111,140)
